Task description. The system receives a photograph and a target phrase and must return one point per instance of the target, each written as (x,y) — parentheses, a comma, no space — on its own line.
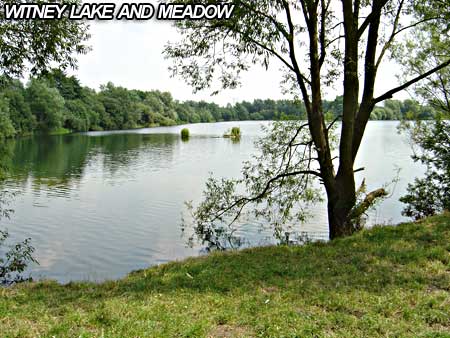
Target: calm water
(102,204)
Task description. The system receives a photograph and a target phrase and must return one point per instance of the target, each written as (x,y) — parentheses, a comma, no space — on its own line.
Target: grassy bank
(59,131)
(385,282)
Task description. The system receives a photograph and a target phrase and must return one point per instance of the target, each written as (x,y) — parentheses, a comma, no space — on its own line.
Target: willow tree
(320,43)
(426,47)
(35,45)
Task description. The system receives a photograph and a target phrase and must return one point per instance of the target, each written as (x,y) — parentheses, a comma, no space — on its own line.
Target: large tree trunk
(340,187)
(342,193)
(338,218)
(344,213)
(341,201)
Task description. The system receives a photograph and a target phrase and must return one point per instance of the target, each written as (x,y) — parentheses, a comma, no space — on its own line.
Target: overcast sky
(128,53)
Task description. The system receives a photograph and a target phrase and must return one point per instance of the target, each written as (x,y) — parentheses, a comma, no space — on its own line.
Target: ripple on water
(107,203)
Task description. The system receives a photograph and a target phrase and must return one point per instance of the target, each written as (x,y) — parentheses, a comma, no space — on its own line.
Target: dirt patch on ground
(270,289)
(228,331)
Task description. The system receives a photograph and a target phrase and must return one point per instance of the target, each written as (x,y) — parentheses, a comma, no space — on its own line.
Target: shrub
(235,132)
(184,133)
(6,126)
(431,194)
(15,260)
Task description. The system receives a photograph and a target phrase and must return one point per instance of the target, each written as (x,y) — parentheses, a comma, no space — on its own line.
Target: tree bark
(340,187)
(339,226)
(341,200)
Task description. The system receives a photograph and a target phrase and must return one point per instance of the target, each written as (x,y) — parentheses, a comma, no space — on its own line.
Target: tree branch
(305,12)
(291,142)
(272,51)
(333,122)
(390,93)
(300,77)
(334,40)
(246,200)
(393,34)
(323,44)
(277,24)
(370,198)
(375,13)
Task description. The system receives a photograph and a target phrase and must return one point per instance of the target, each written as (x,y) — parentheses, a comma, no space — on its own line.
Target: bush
(431,194)
(235,132)
(167,122)
(184,133)
(15,260)
(6,126)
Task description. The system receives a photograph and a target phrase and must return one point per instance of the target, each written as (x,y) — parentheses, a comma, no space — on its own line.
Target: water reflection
(98,205)
(60,162)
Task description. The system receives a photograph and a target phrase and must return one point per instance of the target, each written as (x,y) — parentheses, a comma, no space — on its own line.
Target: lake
(98,205)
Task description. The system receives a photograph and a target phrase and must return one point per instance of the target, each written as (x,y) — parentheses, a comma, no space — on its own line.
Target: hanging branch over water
(286,160)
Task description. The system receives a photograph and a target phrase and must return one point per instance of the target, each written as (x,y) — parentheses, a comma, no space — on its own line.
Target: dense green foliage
(431,194)
(429,45)
(54,101)
(425,47)
(14,260)
(236,132)
(184,133)
(34,45)
(384,282)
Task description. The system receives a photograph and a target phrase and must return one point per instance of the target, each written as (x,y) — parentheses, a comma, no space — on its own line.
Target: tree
(427,46)
(15,259)
(431,194)
(241,112)
(19,110)
(46,104)
(394,107)
(411,109)
(6,126)
(77,118)
(318,42)
(68,86)
(35,44)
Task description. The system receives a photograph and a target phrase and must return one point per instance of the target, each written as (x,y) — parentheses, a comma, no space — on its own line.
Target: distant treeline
(58,103)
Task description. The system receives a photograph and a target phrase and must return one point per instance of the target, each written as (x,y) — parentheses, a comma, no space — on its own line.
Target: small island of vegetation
(184,134)
(235,133)
(55,103)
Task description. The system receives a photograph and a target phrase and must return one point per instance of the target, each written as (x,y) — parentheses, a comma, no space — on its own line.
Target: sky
(129,54)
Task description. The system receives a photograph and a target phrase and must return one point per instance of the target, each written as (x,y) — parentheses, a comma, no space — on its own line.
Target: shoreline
(385,281)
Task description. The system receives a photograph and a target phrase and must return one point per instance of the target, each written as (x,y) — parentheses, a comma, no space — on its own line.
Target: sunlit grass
(384,282)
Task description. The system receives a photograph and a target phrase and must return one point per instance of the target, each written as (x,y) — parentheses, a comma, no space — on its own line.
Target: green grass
(59,131)
(384,282)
